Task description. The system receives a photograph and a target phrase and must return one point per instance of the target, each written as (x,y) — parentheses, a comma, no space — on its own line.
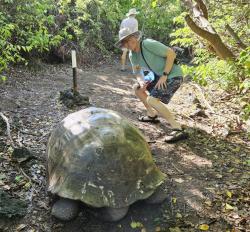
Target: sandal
(176,135)
(145,118)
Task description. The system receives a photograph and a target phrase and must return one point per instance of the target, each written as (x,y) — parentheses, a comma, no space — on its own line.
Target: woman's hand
(162,83)
(144,86)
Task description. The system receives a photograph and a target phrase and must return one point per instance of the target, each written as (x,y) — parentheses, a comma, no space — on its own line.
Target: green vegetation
(231,75)
(39,29)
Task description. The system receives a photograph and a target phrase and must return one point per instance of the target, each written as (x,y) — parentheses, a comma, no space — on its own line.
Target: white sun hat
(132,12)
(124,33)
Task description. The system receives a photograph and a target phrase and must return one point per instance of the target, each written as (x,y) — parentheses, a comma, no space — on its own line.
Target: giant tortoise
(97,157)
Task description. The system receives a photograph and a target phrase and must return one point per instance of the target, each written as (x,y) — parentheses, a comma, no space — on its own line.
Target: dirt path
(208,174)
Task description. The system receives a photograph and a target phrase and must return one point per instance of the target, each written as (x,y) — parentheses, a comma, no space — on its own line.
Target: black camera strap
(141,45)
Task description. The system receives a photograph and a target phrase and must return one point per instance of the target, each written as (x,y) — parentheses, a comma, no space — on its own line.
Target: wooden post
(73,54)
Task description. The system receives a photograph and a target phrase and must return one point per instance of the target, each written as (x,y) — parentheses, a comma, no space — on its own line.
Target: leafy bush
(37,28)
(234,75)
(156,17)
(26,28)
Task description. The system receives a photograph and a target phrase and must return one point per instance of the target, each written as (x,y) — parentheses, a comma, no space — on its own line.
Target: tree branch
(195,28)
(213,38)
(235,36)
(203,8)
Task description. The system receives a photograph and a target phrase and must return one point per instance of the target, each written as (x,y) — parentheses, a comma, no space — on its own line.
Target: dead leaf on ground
(20,227)
(157,229)
(228,207)
(178,180)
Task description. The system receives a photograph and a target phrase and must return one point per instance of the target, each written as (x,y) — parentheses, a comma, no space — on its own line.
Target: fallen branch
(27,177)
(177,169)
(203,97)
(8,129)
(186,116)
(29,133)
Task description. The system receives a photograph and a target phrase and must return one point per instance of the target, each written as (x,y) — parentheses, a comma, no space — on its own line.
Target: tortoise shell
(97,156)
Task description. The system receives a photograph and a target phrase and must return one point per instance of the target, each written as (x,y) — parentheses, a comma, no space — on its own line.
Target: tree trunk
(213,38)
(202,27)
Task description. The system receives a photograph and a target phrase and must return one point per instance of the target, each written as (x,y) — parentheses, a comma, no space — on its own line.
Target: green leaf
(174,200)
(3,78)
(154,3)
(18,178)
(136,225)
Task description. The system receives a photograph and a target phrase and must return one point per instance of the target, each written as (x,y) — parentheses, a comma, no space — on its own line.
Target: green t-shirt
(155,55)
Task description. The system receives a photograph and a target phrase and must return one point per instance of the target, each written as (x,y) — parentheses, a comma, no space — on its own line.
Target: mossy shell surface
(97,156)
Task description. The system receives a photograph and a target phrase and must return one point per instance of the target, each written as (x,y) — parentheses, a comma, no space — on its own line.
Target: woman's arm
(170,56)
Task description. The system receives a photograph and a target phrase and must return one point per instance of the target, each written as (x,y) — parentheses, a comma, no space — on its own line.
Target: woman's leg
(123,58)
(142,95)
(178,133)
(163,110)
(158,97)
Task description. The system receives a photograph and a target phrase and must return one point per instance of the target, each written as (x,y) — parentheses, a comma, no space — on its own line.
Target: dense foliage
(27,29)
(232,75)
(48,28)
(35,28)
(228,74)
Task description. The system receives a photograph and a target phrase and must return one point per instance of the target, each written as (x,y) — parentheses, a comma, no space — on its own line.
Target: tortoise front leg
(65,209)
